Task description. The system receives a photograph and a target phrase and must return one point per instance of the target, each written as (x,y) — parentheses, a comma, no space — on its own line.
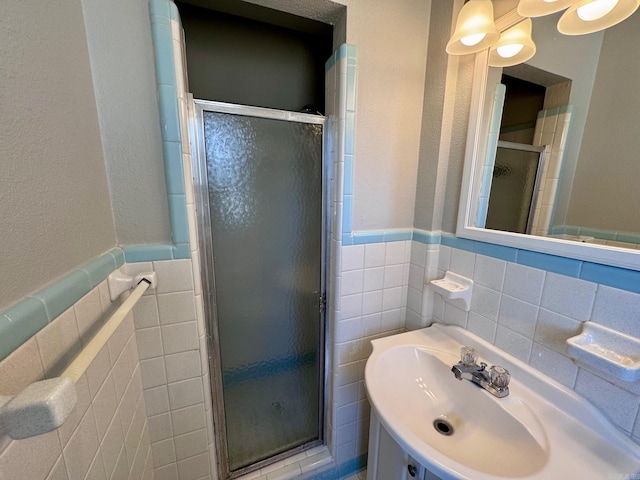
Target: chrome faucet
(494,380)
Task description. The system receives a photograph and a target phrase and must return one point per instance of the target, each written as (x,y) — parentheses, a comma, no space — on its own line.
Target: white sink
(541,430)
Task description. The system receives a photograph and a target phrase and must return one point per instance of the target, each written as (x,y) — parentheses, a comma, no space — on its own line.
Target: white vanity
(426,424)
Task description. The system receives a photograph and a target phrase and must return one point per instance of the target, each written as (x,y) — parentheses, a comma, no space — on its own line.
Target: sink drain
(443,426)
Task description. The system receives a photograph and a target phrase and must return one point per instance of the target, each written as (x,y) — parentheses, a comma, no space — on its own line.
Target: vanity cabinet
(388,461)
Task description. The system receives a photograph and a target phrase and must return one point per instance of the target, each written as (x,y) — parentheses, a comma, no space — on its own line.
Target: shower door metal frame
(198,107)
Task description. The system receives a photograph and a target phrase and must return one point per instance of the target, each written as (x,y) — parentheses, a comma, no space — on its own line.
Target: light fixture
(475,28)
(539,8)
(588,16)
(515,46)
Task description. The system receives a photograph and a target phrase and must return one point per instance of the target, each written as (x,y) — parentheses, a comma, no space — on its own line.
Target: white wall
(55,213)
(122,64)
(605,190)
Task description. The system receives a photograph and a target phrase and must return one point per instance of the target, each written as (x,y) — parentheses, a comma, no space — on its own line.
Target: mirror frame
(603,254)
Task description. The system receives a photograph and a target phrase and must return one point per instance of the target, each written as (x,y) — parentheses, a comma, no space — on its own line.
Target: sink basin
(460,431)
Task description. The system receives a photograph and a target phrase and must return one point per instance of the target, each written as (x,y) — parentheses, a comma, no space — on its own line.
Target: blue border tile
(118,255)
(65,292)
(342,52)
(569,230)
(497,251)
(347,209)
(20,323)
(455,242)
(360,238)
(612,276)
(628,237)
(31,314)
(163,45)
(420,236)
(347,239)
(159,8)
(181,250)
(597,233)
(173,171)
(398,235)
(551,263)
(169,120)
(173,11)
(100,268)
(426,237)
(348,175)
(147,253)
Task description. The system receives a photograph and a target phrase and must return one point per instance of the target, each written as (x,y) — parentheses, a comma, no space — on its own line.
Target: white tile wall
(530,313)
(172,338)
(551,131)
(106,436)
(372,293)
(174,371)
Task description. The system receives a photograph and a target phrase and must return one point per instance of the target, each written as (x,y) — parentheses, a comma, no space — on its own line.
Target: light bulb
(596,10)
(508,51)
(471,40)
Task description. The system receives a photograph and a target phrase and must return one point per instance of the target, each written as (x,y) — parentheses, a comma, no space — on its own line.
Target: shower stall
(517,176)
(261,195)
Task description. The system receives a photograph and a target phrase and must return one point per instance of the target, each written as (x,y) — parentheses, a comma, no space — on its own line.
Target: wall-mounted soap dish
(607,350)
(455,289)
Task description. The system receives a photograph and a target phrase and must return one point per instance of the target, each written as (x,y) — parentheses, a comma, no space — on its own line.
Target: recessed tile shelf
(607,350)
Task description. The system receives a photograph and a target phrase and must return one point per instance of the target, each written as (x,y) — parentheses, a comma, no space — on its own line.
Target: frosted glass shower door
(516,177)
(264,181)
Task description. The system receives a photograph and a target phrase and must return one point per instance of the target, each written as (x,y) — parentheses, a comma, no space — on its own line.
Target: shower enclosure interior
(262,212)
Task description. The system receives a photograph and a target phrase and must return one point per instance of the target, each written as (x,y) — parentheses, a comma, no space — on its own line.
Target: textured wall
(605,191)
(574,57)
(391,38)
(55,213)
(432,117)
(444,126)
(122,64)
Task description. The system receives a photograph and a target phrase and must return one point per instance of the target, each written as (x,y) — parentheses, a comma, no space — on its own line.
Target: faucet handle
(468,356)
(500,376)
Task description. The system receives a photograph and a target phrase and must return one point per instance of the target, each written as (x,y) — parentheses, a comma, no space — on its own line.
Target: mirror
(585,112)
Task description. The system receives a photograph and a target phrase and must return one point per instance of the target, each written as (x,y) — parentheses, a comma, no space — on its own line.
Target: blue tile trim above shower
(26,318)
(378,236)
(162,12)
